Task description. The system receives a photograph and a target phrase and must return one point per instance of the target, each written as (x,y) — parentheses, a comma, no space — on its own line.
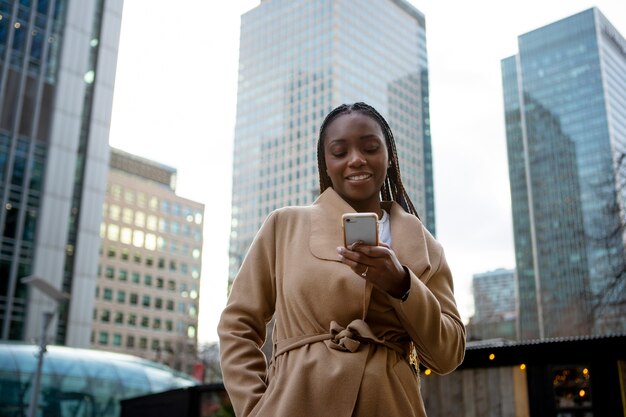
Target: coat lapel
(326,233)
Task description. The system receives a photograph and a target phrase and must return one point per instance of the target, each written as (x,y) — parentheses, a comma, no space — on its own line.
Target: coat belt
(346,339)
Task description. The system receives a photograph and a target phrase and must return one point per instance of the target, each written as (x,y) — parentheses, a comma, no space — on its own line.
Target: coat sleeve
(431,317)
(242,326)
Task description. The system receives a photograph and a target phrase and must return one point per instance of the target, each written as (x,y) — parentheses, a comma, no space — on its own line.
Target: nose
(356,159)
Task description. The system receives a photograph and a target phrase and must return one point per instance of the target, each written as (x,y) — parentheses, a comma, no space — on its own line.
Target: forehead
(353,124)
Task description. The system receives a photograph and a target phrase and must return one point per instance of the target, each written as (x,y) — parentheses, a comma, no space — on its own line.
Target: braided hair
(392,188)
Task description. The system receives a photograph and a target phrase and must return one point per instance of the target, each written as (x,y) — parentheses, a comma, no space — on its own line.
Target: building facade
(495,305)
(147,297)
(565,111)
(57,71)
(300,59)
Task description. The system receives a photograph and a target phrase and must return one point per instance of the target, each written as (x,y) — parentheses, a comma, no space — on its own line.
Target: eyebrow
(365,137)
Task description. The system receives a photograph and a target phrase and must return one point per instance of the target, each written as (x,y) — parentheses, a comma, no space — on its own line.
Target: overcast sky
(175,102)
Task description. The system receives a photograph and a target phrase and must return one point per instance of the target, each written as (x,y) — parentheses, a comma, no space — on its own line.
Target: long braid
(393,188)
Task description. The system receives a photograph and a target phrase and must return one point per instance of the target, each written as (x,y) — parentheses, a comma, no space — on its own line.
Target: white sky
(175,102)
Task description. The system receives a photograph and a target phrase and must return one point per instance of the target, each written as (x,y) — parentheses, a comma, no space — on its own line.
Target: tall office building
(565,109)
(57,71)
(147,296)
(495,305)
(300,59)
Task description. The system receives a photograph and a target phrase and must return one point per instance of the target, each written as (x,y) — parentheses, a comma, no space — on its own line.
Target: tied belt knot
(345,339)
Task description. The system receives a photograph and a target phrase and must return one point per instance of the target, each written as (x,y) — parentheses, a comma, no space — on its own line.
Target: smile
(359,177)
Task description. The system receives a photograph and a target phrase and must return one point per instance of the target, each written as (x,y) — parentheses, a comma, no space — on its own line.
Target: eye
(339,154)
(372,149)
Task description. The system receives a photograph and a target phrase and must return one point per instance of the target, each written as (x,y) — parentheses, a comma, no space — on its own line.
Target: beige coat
(339,344)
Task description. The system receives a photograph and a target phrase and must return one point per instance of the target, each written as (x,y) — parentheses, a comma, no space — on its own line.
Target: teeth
(359,177)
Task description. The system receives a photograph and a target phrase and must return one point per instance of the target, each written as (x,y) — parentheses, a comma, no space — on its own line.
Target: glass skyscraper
(57,70)
(300,59)
(565,111)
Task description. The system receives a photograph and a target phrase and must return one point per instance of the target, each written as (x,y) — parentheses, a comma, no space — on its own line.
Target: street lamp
(58,297)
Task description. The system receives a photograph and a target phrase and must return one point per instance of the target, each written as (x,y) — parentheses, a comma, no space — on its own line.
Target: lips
(359,177)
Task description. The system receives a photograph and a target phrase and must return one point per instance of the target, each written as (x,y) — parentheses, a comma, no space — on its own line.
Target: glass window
(103,338)
(153,203)
(141,199)
(119,317)
(147,280)
(127,216)
(129,196)
(116,191)
(169,325)
(105,316)
(158,303)
(138,238)
(113,232)
(132,319)
(156,324)
(159,282)
(130,341)
(108,294)
(126,236)
(111,252)
(149,260)
(140,219)
(135,277)
(114,212)
(124,254)
(171,285)
(191,332)
(152,222)
(117,339)
(122,275)
(151,241)
(145,321)
(170,305)
(109,272)
(121,296)
(134,298)
(143,343)
(145,301)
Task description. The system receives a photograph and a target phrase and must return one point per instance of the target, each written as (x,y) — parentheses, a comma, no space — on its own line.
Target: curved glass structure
(78,382)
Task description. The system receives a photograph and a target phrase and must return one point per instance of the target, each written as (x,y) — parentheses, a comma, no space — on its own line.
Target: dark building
(565,111)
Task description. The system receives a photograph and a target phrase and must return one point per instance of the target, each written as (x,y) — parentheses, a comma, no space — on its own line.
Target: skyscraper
(495,302)
(147,296)
(565,110)
(300,59)
(57,71)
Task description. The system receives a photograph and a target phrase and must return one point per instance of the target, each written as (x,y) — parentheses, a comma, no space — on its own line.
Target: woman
(346,319)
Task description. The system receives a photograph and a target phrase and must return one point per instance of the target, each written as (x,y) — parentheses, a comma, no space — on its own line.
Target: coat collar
(407,232)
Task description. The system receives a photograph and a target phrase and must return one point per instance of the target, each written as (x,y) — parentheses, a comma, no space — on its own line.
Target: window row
(186,290)
(132,341)
(148,301)
(152,221)
(130,196)
(141,239)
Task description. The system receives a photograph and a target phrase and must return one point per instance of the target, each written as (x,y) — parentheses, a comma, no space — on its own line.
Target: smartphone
(360,226)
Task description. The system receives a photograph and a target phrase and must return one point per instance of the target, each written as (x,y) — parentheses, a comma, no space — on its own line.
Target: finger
(355,256)
(374,251)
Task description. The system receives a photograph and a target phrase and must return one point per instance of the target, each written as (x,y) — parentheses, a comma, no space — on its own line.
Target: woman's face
(356,159)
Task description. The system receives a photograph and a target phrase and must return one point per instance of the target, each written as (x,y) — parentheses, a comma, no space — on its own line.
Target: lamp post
(58,297)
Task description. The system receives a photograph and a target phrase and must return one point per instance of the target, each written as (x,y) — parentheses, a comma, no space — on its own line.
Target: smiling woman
(352,324)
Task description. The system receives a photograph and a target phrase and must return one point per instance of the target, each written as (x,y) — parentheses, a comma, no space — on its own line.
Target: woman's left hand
(378,265)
